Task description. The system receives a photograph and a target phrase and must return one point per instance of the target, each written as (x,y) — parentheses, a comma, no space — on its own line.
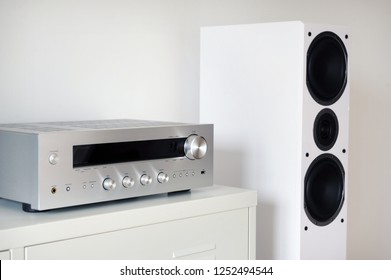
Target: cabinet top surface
(138,211)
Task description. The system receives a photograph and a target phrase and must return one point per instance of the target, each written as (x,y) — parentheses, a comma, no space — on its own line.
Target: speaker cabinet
(278,95)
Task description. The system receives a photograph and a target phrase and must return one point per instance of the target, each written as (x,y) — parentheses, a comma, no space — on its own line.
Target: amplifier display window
(107,153)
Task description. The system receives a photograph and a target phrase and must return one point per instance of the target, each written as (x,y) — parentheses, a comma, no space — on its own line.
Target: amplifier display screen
(107,153)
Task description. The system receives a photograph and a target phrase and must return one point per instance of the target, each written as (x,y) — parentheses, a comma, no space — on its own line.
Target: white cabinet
(215,222)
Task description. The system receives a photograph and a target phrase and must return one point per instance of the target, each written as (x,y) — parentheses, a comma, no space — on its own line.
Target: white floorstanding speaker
(278,96)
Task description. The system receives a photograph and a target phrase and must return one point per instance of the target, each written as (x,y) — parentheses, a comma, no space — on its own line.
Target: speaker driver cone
(326,68)
(324,189)
(326,129)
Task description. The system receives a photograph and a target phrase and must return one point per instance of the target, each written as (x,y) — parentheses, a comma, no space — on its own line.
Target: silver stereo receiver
(60,164)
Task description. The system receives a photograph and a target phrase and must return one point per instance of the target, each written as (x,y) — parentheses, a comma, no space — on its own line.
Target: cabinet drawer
(223,235)
(5,255)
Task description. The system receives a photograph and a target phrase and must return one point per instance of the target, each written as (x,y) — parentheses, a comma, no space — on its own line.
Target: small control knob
(162,177)
(127,182)
(145,180)
(195,147)
(54,158)
(109,184)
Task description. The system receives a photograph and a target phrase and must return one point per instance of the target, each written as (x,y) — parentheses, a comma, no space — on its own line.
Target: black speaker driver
(326,68)
(324,189)
(326,129)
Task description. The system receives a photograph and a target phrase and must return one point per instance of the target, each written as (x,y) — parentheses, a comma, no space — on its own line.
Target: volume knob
(109,184)
(195,147)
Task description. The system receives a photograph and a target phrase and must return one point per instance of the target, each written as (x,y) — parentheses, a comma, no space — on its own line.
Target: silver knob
(54,158)
(162,177)
(195,147)
(127,182)
(109,184)
(145,180)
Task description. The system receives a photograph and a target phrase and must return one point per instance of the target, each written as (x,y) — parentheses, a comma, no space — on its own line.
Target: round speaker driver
(326,129)
(326,68)
(324,189)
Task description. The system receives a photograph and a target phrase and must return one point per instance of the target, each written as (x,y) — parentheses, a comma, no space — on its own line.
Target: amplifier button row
(185,173)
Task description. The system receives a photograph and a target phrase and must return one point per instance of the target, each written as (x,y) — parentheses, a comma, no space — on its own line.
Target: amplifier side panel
(19,166)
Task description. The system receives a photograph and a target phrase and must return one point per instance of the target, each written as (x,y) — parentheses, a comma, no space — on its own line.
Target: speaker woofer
(326,129)
(324,189)
(326,68)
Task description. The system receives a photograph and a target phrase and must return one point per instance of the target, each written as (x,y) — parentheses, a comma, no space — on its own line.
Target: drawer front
(216,236)
(5,255)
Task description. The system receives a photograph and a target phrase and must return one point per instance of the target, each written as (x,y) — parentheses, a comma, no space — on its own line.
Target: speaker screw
(306,228)
(309,34)
(307,154)
(346,36)
(344,151)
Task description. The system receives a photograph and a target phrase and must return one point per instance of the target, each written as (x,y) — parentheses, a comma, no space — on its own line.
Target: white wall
(86,59)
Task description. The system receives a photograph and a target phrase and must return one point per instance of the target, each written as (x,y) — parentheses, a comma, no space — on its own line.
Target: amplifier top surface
(47,127)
